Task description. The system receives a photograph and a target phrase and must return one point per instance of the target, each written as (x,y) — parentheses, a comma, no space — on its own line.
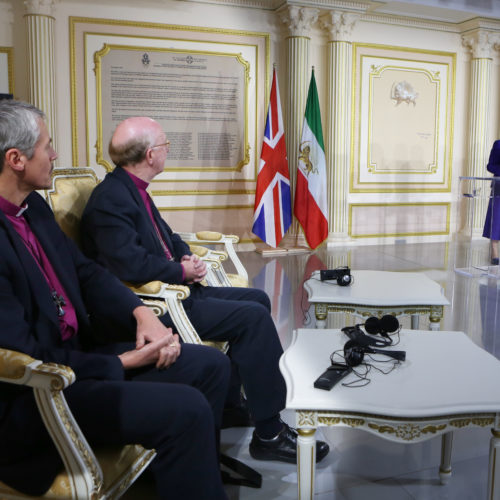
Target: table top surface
(445,373)
(377,288)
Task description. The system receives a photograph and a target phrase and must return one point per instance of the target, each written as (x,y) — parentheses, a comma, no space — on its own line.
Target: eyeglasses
(167,144)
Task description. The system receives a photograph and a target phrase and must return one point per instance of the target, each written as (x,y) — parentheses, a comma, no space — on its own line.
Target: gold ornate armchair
(216,275)
(104,473)
(70,191)
(213,238)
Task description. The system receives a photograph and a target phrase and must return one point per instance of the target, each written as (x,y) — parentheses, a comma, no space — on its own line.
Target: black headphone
(341,274)
(355,352)
(386,324)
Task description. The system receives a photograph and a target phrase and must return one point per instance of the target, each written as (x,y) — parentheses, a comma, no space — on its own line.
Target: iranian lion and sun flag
(273,208)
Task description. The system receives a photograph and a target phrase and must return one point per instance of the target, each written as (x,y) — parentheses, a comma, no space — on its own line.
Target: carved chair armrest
(207,253)
(164,298)
(48,381)
(216,238)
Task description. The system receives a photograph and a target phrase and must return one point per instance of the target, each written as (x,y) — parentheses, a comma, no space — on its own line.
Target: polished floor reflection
(361,465)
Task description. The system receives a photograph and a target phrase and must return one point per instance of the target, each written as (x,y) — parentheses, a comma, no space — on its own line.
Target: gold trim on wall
(10,67)
(440,57)
(385,235)
(198,192)
(211,207)
(262,58)
(98,72)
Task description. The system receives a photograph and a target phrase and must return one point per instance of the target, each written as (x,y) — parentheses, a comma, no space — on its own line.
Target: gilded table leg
(306,463)
(445,467)
(494,467)
(435,317)
(321,312)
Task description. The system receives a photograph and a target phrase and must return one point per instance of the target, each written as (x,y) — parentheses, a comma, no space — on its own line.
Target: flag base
(282,251)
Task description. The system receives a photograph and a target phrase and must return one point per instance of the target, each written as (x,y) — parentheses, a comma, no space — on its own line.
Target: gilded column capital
(299,20)
(340,25)
(480,43)
(40,7)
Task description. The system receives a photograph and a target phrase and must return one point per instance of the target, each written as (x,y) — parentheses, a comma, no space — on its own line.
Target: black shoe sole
(271,455)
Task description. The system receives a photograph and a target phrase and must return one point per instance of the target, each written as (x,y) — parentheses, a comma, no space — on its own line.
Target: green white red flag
(310,207)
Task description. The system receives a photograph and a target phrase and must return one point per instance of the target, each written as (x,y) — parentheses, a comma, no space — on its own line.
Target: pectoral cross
(59,302)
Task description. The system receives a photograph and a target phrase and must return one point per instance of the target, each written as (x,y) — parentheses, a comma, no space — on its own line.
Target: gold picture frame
(100,32)
(6,70)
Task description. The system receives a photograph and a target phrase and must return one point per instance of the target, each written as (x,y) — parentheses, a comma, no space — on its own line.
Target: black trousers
(171,411)
(242,317)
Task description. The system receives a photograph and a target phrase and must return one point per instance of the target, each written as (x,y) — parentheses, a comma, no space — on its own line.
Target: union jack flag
(273,208)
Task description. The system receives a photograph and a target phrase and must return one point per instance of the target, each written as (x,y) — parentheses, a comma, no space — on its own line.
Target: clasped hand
(194,268)
(155,343)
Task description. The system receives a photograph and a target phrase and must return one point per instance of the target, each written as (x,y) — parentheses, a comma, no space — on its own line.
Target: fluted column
(481,46)
(299,21)
(339,111)
(41,61)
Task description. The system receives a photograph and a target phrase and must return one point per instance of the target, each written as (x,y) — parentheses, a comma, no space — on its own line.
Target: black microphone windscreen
(389,323)
(372,325)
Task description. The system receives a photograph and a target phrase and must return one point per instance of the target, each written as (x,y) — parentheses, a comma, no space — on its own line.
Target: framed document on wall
(206,87)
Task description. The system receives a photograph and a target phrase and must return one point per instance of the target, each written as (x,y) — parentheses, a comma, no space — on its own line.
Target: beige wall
(372,29)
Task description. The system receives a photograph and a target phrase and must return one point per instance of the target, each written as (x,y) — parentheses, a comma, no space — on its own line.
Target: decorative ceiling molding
(347,5)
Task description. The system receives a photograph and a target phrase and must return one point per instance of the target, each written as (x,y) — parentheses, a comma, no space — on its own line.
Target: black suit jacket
(117,232)
(29,320)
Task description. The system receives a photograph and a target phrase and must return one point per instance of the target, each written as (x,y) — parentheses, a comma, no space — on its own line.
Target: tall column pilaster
(41,59)
(481,45)
(338,130)
(299,21)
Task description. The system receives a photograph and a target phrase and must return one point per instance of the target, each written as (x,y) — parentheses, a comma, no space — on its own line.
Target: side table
(375,293)
(447,383)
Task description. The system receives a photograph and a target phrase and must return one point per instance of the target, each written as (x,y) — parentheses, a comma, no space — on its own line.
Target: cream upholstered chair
(216,275)
(212,238)
(70,191)
(102,473)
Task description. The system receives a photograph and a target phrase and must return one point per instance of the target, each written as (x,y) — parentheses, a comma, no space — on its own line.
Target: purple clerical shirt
(67,322)
(142,186)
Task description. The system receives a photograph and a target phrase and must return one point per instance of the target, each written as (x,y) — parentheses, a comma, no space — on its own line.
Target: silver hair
(19,127)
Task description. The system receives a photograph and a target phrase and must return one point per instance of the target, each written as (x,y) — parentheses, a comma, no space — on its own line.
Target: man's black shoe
(237,416)
(283,447)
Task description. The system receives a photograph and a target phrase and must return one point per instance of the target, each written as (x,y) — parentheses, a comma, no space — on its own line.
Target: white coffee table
(446,383)
(375,293)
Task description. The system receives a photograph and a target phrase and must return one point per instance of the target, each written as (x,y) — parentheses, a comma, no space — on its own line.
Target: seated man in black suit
(123,230)
(147,389)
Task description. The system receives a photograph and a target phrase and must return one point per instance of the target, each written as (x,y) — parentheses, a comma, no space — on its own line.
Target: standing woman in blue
(492,223)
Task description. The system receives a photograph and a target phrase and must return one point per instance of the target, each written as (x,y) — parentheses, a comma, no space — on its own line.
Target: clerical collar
(139,183)
(9,208)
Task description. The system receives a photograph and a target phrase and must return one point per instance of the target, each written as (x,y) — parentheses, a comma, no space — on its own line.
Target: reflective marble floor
(360,465)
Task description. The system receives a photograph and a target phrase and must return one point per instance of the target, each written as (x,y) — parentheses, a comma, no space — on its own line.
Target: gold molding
(108,47)
(213,207)
(10,66)
(74,21)
(407,431)
(376,73)
(398,187)
(199,192)
(385,235)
